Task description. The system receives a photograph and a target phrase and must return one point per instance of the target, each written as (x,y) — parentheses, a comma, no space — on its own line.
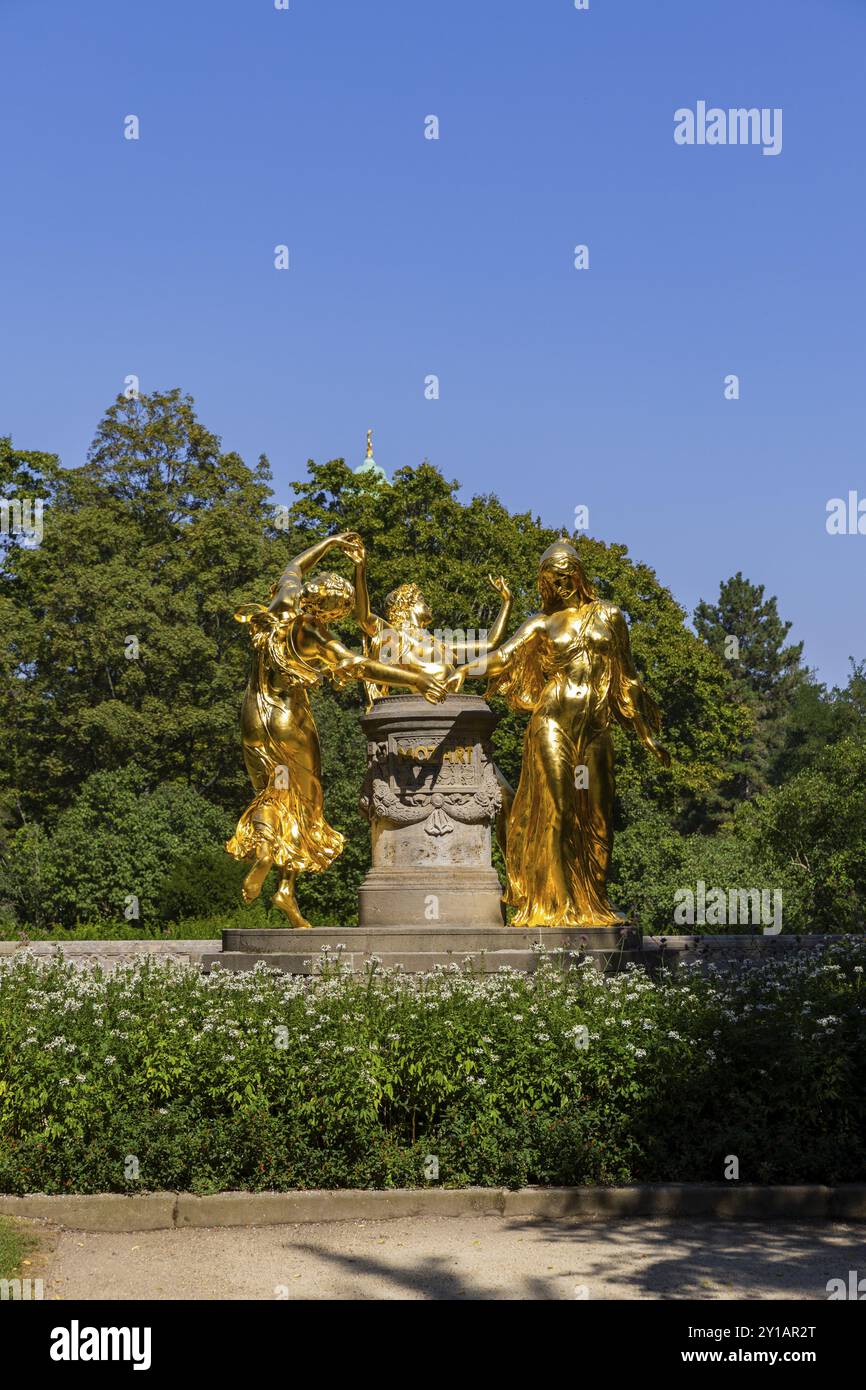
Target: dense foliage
(121,674)
(157,1076)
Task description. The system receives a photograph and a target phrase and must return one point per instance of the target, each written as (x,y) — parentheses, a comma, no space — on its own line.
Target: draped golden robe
(575,673)
(281,754)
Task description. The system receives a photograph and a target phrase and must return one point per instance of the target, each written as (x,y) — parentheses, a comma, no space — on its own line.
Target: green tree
(812,833)
(24,476)
(806,839)
(118,636)
(746,632)
(820,717)
(119,840)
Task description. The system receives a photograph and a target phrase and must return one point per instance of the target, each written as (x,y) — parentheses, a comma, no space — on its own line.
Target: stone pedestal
(431,797)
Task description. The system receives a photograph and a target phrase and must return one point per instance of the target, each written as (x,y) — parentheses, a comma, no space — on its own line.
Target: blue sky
(454,257)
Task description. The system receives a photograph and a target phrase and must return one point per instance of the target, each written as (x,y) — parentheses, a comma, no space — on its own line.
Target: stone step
(459,940)
(413,962)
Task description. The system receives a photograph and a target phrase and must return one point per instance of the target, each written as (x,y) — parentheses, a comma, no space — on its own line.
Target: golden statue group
(570,666)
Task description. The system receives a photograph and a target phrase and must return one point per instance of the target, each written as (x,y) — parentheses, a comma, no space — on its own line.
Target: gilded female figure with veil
(571,666)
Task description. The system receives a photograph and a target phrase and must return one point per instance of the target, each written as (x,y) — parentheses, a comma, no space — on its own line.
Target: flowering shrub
(157,1076)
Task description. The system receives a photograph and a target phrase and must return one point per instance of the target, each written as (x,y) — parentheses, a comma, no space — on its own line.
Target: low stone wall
(429,948)
(159,1211)
(670,952)
(108,954)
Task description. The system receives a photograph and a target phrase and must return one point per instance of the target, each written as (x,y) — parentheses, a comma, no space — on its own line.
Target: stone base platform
(416,949)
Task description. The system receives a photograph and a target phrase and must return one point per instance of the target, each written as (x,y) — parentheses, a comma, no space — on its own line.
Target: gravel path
(471,1257)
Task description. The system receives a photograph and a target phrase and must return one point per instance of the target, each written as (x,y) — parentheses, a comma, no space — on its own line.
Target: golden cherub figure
(403,639)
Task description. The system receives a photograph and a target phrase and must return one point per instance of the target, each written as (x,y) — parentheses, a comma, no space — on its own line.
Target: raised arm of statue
(512,668)
(363,615)
(497,632)
(467,651)
(292,578)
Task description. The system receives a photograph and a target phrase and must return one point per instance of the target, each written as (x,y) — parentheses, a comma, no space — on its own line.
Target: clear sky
(455,257)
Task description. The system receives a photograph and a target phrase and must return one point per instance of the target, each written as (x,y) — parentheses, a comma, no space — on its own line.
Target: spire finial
(369,444)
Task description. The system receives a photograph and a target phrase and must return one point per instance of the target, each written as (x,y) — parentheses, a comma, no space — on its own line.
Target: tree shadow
(621,1259)
(674,1258)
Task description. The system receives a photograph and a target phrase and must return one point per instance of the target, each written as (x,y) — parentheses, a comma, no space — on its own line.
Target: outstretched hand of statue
(500,584)
(352,546)
(432,688)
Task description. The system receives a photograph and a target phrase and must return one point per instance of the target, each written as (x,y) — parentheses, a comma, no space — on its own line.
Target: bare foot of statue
(255,878)
(284,899)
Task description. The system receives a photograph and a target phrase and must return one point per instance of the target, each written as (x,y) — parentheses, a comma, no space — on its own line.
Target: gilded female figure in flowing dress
(292,652)
(571,665)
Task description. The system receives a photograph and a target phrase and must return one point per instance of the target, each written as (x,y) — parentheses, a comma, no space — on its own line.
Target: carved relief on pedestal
(409,781)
